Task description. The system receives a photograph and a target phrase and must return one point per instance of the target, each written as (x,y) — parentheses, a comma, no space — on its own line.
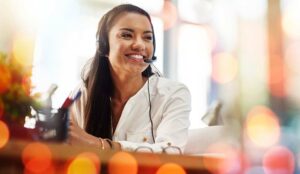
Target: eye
(148,38)
(126,35)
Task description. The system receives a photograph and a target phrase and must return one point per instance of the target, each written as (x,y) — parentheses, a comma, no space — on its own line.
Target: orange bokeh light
(121,162)
(37,158)
(5,78)
(279,159)
(171,168)
(225,68)
(86,162)
(262,126)
(4,134)
(169,14)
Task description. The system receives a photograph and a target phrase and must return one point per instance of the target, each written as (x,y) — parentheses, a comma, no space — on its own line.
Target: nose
(138,44)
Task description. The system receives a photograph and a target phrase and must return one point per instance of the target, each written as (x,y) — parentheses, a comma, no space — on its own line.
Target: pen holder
(53,126)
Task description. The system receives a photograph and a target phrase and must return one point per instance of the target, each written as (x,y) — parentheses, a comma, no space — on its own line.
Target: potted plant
(15,95)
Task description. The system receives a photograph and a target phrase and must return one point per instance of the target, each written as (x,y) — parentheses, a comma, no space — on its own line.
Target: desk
(63,154)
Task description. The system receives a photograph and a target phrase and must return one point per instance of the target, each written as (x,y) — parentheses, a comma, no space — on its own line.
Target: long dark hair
(99,82)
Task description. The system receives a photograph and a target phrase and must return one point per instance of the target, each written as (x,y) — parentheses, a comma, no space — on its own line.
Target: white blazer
(170,109)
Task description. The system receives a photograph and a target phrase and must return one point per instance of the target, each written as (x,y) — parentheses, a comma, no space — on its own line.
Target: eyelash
(149,38)
(128,36)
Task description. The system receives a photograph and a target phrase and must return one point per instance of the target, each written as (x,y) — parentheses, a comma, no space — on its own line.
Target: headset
(150,61)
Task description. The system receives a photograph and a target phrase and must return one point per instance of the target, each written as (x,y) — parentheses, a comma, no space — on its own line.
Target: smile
(135,57)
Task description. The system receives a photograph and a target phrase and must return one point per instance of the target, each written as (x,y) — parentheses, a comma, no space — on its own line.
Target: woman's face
(130,42)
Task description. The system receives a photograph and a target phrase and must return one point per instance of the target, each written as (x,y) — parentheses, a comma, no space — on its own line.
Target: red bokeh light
(279,159)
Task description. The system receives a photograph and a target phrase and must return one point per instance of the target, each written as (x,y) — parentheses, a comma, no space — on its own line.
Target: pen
(69,101)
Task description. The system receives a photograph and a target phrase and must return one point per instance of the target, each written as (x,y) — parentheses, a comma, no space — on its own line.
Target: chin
(138,70)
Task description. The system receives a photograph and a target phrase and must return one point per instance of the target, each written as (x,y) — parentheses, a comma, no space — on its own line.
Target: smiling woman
(124,105)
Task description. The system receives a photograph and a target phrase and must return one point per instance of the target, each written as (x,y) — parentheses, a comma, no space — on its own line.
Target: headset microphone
(150,60)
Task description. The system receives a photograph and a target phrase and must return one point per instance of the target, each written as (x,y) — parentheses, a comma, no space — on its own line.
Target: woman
(124,105)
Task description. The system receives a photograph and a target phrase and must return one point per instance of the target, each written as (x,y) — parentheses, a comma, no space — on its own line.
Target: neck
(126,86)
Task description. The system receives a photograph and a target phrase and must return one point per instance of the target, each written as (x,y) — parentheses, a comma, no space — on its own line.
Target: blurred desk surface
(63,154)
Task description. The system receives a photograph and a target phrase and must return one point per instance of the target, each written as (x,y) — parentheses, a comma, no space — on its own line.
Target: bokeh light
(23,48)
(86,162)
(262,126)
(5,78)
(4,134)
(170,168)
(225,68)
(234,160)
(37,158)
(279,159)
(121,162)
(169,14)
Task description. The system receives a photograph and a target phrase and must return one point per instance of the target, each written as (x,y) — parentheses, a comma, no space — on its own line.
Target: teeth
(136,56)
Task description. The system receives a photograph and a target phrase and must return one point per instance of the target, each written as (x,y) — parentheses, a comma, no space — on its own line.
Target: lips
(135,57)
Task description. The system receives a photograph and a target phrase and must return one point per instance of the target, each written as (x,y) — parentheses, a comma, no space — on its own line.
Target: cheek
(117,47)
(151,49)
(116,53)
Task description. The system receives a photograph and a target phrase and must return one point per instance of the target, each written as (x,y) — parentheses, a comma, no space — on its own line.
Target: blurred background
(238,55)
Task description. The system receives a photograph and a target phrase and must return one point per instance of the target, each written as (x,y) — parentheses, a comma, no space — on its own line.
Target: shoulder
(167,89)
(164,86)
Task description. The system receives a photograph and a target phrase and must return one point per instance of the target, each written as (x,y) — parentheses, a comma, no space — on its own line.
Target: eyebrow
(131,30)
